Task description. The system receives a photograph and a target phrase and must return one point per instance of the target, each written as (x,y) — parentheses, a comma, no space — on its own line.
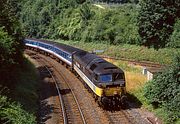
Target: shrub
(164,91)
(11,112)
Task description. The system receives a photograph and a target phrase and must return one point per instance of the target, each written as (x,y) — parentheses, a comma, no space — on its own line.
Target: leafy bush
(19,106)
(40,18)
(87,23)
(12,113)
(164,91)
(80,20)
(8,58)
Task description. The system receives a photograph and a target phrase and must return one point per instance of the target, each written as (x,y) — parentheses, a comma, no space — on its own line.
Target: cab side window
(96,77)
(93,66)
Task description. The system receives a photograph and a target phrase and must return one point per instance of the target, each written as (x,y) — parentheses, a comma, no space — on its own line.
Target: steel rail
(79,108)
(60,97)
(59,94)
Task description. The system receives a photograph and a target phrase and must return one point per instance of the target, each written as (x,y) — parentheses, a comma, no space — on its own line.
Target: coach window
(59,52)
(46,46)
(69,57)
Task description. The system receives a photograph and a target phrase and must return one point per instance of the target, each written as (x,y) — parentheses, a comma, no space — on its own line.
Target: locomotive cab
(109,80)
(113,84)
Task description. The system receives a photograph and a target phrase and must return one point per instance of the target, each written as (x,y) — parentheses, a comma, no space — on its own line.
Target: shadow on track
(47,90)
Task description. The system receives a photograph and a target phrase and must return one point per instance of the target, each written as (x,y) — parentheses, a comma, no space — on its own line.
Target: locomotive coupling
(114,100)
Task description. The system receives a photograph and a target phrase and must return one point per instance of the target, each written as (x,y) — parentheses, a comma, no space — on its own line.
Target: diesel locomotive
(105,80)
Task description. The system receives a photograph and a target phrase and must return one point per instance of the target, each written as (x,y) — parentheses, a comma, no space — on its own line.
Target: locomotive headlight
(115,93)
(100,85)
(122,84)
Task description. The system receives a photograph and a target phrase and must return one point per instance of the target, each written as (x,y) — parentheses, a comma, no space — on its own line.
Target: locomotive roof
(106,68)
(85,58)
(102,66)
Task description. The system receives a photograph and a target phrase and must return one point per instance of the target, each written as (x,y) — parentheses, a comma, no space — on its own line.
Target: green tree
(12,113)
(164,91)
(11,25)
(156,20)
(11,45)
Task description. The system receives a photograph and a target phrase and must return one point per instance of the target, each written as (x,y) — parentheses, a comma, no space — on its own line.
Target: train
(105,80)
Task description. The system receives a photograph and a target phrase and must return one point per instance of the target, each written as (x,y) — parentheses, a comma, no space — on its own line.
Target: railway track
(62,111)
(94,114)
(120,117)
(89,109)
(134,62)
(70,108)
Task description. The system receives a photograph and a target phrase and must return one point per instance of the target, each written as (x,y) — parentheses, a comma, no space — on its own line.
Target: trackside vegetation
(19,105)
(17,87)
(164,91)
(82,21)
(12,113)
(161,95)
(156,20)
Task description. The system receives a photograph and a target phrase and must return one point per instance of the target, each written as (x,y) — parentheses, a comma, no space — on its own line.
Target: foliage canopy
(156,20)
(11,46)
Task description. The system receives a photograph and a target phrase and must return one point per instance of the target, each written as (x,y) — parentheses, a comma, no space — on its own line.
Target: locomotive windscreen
(118,76)
(105,78)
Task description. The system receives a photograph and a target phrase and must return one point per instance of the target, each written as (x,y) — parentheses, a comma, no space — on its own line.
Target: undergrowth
(18,105)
